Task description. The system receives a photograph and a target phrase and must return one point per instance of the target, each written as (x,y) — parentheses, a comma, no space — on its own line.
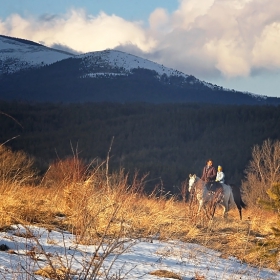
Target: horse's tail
(242,203)
(237,196)
(238,199)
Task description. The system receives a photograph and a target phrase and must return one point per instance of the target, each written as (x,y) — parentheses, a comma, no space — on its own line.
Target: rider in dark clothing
(209,174)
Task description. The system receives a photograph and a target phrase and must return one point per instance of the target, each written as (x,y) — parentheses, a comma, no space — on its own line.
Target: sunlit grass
(105,205)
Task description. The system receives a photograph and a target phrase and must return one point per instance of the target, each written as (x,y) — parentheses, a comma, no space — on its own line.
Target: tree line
(166,141)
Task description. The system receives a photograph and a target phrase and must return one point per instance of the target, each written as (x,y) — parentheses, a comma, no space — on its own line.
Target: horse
(224,196)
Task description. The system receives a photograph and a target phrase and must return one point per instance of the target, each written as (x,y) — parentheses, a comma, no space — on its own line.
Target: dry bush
(65,171)
(104,198)
(253,190)
(29,204)
(263,170)
(16,172)
(15,167)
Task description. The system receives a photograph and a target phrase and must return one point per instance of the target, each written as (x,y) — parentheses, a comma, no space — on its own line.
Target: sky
(135,259)
(231,43)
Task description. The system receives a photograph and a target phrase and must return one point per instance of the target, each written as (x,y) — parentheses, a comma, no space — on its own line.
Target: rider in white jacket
(220,175)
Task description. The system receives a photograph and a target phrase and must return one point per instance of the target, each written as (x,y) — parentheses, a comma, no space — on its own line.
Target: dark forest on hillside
(65,81)
(168,141)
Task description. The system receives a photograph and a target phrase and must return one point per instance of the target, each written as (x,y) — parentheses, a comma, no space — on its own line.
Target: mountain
(17,54)
(34,73)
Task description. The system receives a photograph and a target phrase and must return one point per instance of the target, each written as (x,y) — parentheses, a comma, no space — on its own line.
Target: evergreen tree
(273,204)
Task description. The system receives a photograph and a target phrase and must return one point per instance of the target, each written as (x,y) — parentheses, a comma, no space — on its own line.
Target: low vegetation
(98,205)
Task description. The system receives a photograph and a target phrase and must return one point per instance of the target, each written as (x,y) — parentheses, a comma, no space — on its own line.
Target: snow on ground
(139,259)
(98,75)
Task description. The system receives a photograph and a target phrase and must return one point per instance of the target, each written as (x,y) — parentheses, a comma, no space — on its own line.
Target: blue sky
(231,43)
(129,9)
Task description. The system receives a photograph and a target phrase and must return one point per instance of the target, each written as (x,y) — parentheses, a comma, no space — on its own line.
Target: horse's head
(191,181)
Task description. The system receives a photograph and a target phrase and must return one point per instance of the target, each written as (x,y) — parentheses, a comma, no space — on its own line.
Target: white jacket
(220,177)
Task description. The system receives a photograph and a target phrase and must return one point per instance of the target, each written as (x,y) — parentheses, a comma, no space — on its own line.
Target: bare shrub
(263,170)
(253,189)
(16,167)
(65,171)
(184,190)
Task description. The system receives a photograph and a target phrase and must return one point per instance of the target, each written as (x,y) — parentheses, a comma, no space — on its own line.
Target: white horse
(223,197)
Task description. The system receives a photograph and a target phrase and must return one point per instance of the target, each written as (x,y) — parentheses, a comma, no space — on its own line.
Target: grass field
(98,205)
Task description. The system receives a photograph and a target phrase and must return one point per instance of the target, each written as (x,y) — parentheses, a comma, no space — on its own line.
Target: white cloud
(159,20)
(229,37)
(79,31)
(266,49)
(206,38)
(189,11)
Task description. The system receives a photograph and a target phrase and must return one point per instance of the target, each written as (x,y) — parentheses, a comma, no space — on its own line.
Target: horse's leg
(200,205)
(226,208)
(214,210)
(227,199)
(209,209)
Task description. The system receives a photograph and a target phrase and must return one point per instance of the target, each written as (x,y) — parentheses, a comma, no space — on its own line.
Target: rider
(220,175)
(209,174)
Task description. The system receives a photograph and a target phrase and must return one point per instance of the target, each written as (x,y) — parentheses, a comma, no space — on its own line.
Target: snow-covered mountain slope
(123,63)
(108,75)
(117,63)
(16,54)
(113,63)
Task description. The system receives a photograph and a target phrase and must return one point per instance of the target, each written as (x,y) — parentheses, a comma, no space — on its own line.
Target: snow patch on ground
(33,248)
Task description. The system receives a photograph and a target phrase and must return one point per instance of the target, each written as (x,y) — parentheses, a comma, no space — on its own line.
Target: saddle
(214,186)
(215,189)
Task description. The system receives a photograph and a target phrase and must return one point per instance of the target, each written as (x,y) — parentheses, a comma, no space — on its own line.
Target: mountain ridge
(89,77)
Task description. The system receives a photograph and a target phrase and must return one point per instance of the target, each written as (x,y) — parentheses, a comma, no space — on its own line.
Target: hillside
(168,141)
(30,72)
(17,54)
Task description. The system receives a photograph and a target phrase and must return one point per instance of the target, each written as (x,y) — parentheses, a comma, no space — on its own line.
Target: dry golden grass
(59,273)
(166,274)
(107,206)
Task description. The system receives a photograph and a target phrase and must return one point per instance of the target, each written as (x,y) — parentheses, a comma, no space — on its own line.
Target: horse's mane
(197,178)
